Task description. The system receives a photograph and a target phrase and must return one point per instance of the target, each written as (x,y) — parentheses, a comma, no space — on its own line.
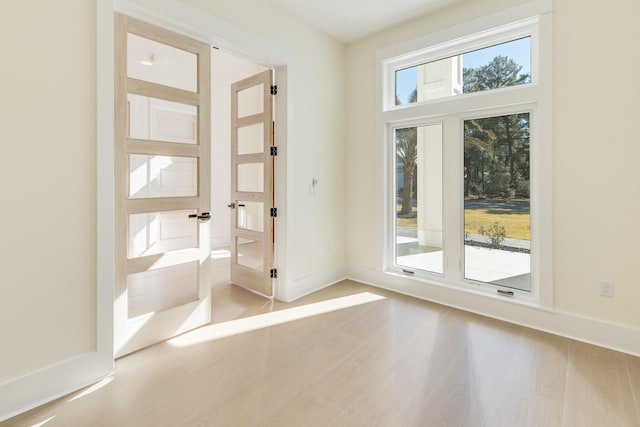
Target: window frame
(492,37)
(528,20)
(391,129)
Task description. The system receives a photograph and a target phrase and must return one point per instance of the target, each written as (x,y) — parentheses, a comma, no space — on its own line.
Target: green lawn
(516,224)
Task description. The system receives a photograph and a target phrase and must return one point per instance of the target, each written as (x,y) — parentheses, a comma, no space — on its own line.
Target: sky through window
(519,50)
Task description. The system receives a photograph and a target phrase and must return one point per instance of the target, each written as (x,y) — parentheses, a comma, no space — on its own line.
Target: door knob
(206,216)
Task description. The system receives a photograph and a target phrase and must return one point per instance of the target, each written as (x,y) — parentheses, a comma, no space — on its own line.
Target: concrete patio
(501,267)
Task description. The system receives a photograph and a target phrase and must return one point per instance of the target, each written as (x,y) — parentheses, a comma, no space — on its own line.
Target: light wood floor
(387,360)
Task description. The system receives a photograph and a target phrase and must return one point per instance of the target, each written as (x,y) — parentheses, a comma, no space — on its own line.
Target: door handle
(231,205)
(206,216)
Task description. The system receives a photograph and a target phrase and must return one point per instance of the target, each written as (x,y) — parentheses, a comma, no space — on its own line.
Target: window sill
(476,290)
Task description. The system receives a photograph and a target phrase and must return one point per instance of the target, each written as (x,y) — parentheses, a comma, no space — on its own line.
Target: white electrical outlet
(606,288)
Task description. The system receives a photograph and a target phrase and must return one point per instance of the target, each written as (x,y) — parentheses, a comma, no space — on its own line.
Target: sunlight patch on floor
(235,327)
(91,389)
(41,423)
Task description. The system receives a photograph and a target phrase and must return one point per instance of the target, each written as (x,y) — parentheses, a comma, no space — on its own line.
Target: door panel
(251,139)
(162,176)
(159,289)
(252,183)
(160,63)
(162,184)
(250,100)
(250,215)
(161,120)
(250,177)
(152,233)
(250,253)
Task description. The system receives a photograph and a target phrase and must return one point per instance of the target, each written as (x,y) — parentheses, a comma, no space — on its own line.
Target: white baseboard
(313,283)
(37,388)
(593,331)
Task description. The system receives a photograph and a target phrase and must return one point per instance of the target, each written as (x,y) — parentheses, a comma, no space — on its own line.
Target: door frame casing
(178,17)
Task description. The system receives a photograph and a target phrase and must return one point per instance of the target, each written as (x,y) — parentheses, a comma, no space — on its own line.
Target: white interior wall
(595,148)
(594,177)
(315,252)
(47,182)
(51,340)
(225,70)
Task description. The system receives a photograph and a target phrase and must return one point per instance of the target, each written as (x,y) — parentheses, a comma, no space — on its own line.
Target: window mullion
(452,206)
(479,101)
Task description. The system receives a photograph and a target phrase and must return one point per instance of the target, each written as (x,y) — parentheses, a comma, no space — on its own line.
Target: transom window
(466,135)
(502,65)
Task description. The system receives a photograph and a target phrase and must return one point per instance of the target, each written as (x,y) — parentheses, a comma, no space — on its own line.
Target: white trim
(315,282)
(283,192)
(36,388)
(479,25)
(183,19)
(528,19)
(544,155)
(592,331)
(105,209)
(473,41)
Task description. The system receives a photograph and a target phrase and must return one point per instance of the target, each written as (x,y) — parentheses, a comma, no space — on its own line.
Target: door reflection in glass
(250,253)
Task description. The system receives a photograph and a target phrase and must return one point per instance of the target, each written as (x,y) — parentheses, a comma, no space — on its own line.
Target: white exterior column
(435,80)
(430,185)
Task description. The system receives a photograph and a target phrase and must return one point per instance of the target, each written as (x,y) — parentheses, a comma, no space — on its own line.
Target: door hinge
(274,89)
(274,273)
(274,151)
(274,212)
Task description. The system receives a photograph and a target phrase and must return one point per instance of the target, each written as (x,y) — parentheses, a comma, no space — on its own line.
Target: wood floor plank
(431,349)
(391,361)
(392,402)
(305,409)
(598,390)
(533,391)
(465,388)
(633,369)
(319,357)
(363,371)
(249,404)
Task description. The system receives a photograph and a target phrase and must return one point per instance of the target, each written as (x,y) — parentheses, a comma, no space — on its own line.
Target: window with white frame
(466,125)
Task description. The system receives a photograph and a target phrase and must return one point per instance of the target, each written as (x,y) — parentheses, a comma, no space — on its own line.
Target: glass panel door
(252,183)
(163,184)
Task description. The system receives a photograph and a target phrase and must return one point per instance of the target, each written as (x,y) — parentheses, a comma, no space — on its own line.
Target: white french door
(252,179)
(163,185)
